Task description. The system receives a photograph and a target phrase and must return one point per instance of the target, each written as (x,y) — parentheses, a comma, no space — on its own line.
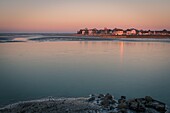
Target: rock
(121,101)
(122,105)
(113,101)
(105,103)
(160,107)
(97,101)
(123,97)
(148,99)
(91,99)
(136,105)
(141,108)
(100,96)
(94,104)
(149,104)
(112,107)
(122,111)
(133,105)
(108,96)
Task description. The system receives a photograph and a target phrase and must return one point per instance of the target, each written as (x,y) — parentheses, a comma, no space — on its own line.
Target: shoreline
(78,37)
(101,38)
(98,103)
(127,36)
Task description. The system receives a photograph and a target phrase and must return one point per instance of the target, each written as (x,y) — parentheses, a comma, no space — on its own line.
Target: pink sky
(72,15)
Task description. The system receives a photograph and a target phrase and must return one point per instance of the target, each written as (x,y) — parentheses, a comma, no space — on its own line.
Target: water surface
(30,70)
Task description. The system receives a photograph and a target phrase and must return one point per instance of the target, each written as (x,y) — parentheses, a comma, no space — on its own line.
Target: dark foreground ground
(93,104)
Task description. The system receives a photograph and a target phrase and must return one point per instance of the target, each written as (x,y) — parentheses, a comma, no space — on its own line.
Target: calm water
(30,70)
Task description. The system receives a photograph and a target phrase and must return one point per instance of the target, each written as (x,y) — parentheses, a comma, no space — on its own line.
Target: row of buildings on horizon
(117,31)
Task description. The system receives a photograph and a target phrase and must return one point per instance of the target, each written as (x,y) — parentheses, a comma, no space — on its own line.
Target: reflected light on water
(121,50)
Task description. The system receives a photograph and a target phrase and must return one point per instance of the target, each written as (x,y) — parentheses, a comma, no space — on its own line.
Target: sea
(39,65)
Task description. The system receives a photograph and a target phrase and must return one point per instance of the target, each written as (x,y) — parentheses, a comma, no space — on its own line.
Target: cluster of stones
(94,104)
(107,102)
(143,105)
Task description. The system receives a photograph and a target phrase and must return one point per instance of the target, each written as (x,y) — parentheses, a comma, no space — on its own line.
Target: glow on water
(31,70)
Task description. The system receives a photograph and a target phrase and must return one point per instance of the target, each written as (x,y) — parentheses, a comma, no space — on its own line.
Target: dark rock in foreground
(142,105)
(94,104)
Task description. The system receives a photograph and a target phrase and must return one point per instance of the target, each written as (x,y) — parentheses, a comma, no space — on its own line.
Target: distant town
(121,32)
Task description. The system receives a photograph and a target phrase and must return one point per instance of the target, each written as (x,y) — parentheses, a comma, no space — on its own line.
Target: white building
(131,32)
(118,31)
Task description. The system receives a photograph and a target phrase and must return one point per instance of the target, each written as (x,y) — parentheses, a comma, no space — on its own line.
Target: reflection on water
(40,69)
(121,50)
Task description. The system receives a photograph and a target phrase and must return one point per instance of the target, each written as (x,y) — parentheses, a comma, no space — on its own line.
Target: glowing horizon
(72,15)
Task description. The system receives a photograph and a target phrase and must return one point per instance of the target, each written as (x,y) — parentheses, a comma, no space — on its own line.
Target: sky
(72,15)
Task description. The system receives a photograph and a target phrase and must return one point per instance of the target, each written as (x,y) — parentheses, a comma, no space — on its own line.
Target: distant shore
(127,36)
